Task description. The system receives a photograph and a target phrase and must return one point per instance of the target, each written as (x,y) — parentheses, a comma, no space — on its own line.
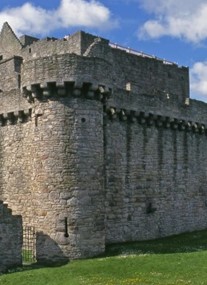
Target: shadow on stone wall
(10,238)
(48,251)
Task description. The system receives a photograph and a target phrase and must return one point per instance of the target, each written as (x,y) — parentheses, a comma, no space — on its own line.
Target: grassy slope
(176,260)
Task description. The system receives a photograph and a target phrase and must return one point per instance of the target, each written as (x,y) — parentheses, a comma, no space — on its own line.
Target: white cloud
(171,7)
(70,13)
(79,12)
(184,19)
(198,79)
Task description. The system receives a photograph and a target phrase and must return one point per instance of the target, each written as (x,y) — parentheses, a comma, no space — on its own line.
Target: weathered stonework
(10,239)
(98,144)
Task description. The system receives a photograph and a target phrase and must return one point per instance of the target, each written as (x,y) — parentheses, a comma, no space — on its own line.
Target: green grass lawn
(176,260)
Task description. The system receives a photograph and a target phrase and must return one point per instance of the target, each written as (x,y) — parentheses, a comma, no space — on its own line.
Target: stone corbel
(142,118)
(174,124)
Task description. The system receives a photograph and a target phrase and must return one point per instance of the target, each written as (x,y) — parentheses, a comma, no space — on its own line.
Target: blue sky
(171,29)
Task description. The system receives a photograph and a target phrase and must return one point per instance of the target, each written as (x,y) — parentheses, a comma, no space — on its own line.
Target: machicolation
(98,144)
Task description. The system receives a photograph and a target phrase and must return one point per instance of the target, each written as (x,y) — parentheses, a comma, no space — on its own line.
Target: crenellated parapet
(157,120)
(46,90)
(15,117)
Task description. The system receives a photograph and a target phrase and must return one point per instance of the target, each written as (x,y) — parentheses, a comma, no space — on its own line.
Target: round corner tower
(67,93)
(51,142)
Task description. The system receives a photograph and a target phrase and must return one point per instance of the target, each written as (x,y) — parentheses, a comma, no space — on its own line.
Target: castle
(98,144)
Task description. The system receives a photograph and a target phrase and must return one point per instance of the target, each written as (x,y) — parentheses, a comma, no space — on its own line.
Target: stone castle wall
(149,76)
(10,73)
(10,239)
(98,145)
(60,69)
(155,173)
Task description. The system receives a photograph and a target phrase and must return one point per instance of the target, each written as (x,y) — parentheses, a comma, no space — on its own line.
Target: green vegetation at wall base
(177,260)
